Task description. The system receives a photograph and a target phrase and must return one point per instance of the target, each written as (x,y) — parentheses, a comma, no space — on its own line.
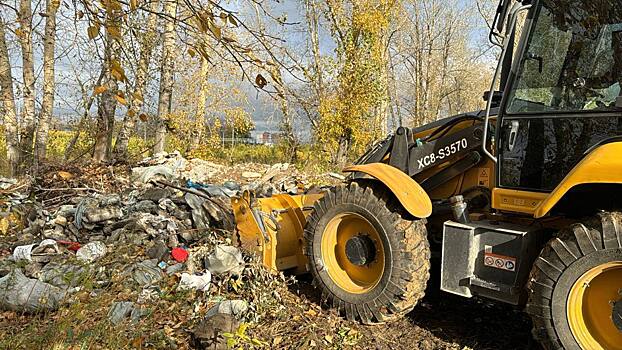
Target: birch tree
(107,101)
(166,74)
(47,106)
(27,129)
(136,99)
(199,119)
(356,114)
(7,99)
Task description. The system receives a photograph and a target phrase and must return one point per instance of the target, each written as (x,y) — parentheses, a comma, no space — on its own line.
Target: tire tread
(411,266)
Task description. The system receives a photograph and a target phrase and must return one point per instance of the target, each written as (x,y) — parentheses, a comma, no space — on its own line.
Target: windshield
(573,58)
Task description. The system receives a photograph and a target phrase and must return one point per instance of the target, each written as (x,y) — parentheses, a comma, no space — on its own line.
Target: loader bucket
(274,228)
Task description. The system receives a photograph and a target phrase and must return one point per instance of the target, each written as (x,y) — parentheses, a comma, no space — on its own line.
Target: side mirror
(502,11)
(498,23)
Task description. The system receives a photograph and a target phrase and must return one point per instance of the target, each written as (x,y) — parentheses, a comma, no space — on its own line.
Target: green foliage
(58,141)
(249,153)
(137,147)
(241,340)
(354,115)
(310,157)
(239,120)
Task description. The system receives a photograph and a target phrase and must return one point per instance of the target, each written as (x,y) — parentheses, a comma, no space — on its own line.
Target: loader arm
(414,151)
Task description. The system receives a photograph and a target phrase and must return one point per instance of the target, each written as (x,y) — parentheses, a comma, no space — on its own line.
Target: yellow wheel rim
(348,276)
(590,307)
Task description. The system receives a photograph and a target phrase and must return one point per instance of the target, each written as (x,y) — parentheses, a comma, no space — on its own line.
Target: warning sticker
(483,177)
(501,262)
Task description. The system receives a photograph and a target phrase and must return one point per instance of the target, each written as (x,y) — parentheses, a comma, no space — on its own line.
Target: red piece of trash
(70,245)
(179,254)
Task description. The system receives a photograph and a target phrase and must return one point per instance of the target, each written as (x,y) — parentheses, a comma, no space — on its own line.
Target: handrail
(506,42)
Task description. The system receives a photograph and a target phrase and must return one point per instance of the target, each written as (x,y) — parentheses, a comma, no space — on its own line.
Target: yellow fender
(603,165)
(410,194)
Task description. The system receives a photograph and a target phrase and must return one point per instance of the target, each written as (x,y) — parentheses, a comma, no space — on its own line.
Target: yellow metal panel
(602,165)
(414,199)
(517,201)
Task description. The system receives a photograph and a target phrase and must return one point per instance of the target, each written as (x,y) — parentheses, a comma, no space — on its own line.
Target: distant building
(268,138)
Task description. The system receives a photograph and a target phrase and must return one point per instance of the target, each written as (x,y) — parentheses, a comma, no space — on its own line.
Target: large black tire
(406,254)
(565,259)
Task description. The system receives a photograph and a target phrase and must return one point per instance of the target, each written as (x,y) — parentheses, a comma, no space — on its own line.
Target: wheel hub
(360,250)
(352,252)
(594,308)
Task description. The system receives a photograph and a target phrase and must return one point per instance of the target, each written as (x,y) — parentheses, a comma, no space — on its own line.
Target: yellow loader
(521,201)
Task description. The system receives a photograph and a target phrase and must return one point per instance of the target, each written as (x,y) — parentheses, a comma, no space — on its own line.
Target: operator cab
(562,96)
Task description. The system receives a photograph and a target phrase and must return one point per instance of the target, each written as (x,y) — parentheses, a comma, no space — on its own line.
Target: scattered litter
(251,175)
(97,215)
(63,274)
(199,216)
(20,293)
(225,259)
(173,269)
(197,282)
(92,211)
(91,252)
(146,273)
(147,296)
(138,313)
(157,250)
(208,333)
(147,174)
(237,308)
(73,246)
(179,254)
(39,251)
(119,311)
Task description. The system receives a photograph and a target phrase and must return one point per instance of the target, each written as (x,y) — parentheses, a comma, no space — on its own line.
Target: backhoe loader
(521,201)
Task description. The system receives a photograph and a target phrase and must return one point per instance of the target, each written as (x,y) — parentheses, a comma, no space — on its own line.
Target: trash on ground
(91,251)
(120,311)
(145,273)
(196,282)
(225,259)
(179,254)
(237,308)
(208,333)
(20,293)
(39,251)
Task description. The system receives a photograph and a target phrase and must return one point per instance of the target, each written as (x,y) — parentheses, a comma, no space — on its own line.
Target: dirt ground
(445,321)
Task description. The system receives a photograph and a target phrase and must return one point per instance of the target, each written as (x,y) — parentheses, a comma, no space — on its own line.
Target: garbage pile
(175,212)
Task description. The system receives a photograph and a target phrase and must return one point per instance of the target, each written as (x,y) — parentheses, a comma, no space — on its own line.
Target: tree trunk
(87,99)
(142,72)
(28,71)
(47,106)
(7,97)
(200,112)
(106,106)
(343,148)
(166,74)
